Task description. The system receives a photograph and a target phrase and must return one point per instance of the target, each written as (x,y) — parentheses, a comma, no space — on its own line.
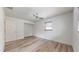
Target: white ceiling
(27,12)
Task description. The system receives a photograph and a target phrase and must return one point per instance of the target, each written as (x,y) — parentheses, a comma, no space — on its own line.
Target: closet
(14,29)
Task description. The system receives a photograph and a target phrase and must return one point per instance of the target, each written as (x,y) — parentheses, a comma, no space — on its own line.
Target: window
(48,26)
(78,26)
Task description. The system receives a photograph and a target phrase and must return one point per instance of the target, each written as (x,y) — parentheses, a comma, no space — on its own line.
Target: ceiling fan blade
(37,14)
(10,8)
(37,17)
(41,18)
(33,15)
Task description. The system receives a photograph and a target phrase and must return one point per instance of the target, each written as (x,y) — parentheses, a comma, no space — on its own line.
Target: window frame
(50,26)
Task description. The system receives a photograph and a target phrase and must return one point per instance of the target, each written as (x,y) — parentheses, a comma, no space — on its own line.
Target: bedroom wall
(2,35)
(19,32)
(62,28)
(75,27)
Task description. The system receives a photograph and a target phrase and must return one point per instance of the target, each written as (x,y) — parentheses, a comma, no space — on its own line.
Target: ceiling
(27,12)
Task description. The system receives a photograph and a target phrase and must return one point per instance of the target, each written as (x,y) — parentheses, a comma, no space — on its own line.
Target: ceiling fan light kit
(36,16)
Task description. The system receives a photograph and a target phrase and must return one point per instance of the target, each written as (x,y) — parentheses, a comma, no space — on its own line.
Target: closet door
(27,30)
(20,29)
(10,30)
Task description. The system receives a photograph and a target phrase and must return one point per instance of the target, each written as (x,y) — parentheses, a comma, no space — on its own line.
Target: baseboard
(53,40)
(29,36)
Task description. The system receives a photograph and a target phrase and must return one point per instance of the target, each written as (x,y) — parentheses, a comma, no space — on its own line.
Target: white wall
(75,27)
(2,17)
(19,27)
(28,29)
(62,29)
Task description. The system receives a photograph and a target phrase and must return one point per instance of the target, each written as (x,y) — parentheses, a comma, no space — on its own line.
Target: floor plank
(35,44)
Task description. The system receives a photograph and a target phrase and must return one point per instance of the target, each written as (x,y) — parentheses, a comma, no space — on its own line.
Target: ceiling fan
(36,16)
(11,8)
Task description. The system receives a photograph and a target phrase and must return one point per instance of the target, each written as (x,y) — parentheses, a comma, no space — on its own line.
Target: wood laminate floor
(35,44)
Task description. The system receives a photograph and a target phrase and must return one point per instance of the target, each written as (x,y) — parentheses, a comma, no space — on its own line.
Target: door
(27,30)
(20,29)
(10,30)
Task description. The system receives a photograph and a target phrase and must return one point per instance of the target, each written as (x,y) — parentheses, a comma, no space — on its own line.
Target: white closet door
(20,29)
(27,30)
(10,30)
